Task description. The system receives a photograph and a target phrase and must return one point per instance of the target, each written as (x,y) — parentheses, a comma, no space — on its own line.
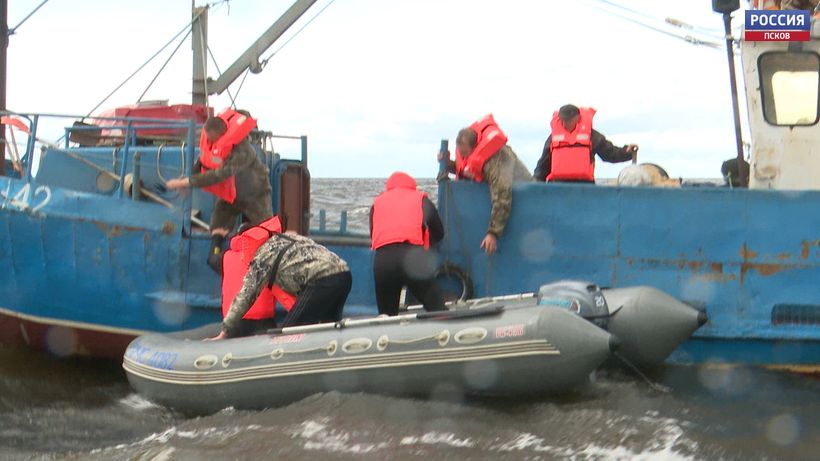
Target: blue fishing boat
(96,252)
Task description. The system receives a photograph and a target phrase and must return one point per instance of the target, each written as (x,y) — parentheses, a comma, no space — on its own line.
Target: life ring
(449,271)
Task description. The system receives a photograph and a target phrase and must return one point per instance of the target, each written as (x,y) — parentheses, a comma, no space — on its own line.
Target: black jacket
(600,145)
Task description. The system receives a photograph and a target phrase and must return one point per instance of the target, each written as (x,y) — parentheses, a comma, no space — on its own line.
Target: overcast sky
(375,84)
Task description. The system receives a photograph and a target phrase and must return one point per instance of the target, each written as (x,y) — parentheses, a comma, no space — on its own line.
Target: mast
(199,43)
(4,36)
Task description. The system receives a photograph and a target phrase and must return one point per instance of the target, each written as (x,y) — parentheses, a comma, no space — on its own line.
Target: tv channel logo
(777,26)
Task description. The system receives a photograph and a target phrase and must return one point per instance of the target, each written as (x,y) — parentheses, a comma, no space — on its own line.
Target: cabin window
(789,84)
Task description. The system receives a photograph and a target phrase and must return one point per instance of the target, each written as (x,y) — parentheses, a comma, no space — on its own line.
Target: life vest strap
(278,261)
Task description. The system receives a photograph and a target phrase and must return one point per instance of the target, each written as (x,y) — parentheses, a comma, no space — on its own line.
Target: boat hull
(63,338)
(749,258)
(521,351)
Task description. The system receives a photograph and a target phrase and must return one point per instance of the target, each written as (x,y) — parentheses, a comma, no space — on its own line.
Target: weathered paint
(735,252)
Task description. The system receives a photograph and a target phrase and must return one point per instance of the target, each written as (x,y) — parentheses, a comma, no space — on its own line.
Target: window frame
(763,86)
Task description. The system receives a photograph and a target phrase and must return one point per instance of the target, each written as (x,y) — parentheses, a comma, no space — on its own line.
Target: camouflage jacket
(290,261)
(501,171)
(243,163)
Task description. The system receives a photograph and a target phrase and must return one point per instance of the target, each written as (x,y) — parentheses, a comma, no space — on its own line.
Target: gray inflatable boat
(504,346)
(531,343)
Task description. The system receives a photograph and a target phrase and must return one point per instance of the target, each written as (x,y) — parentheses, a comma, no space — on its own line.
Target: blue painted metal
(102,258)
(736,253)
(98,257)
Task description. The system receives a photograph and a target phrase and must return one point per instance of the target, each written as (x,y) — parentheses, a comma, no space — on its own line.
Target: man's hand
(218,337)
(489,244)
(631,148)
(178,183)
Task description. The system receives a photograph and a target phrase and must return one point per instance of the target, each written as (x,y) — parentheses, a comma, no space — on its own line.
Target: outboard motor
(583,298)
(649,323)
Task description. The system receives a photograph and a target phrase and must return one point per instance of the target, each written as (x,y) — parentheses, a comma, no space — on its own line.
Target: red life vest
(490,139)
(398,215)
(572,152)
(235,263)
(213,155)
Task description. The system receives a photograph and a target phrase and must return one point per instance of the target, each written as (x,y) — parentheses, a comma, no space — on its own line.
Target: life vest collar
(489,140)
(400,179)
(213,154)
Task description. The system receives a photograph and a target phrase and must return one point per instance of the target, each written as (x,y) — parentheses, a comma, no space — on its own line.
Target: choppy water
(353,195)
(84,410)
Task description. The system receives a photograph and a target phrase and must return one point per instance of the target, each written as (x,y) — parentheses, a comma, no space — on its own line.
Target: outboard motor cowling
(649,323)
(578,296)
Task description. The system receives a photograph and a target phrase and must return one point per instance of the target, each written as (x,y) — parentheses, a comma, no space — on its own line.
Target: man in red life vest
(233,263)
(482,154)
(403,223)
(569,153)
(318,278)
(231,170)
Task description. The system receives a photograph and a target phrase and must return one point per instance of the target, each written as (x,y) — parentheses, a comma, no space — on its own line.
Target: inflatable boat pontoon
(527,344)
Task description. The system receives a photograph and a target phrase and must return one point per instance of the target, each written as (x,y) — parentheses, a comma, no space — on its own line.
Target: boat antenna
(726,8)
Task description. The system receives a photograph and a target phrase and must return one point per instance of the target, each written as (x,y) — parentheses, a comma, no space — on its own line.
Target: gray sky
(375,84)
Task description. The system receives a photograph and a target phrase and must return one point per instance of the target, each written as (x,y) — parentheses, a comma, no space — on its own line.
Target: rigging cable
(227,90)
(241,83)
(184,29)
(164,65)
(265,61)
(13,30)
(713,32)
(687,38)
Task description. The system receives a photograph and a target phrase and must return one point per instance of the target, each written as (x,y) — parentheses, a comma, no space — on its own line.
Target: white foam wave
(319,437)
(668,443)
(137,402)
(438,438)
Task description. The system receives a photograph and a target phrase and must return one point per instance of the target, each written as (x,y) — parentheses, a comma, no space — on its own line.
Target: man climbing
(231,170)
(482,154)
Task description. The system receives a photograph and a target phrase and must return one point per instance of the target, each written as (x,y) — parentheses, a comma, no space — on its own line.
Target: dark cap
(567,112)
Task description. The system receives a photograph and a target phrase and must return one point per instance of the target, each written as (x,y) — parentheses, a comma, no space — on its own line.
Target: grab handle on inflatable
(346,323)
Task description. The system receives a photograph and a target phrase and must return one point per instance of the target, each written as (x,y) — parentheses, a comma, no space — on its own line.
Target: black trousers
(402,264)
(248,327)
(320,301)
